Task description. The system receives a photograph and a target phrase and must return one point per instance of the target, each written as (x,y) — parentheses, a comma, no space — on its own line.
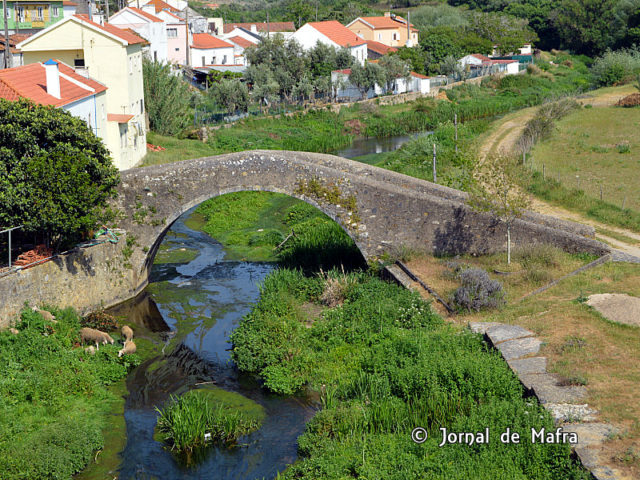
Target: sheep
(92,335)
(91,350)
(128,349)
(46,315)
(127,333)
(15,331)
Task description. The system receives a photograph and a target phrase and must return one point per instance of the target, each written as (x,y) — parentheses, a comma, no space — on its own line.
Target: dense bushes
(615,67)
(478,291)
(52,397)
(384,364)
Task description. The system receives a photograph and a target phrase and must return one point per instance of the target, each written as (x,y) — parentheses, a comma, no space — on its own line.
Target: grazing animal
(15,331)
(46,315)
(91,350)
(128,349)
(92,335)
(127,333)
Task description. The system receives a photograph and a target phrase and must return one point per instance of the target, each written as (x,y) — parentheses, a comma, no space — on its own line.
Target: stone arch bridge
(381,210)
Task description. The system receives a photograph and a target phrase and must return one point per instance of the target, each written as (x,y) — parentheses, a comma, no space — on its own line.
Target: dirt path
(503,139)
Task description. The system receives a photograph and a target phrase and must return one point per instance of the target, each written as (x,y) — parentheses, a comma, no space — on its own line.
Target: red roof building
(271,27)
(127,35)
(338,33)
(206,41)
(241,42)
(159,5)
(30,81)
(391,30)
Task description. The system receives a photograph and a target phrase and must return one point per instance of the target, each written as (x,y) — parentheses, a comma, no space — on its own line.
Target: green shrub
(615,67)
(478,291)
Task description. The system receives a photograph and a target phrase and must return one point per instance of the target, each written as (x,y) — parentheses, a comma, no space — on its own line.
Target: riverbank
(57,399)
(384,364)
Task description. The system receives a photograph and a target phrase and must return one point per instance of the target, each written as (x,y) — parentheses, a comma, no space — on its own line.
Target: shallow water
(366,146)
(199,303)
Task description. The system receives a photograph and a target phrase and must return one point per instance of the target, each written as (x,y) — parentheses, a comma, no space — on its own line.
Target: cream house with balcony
(113,57)
(390,30)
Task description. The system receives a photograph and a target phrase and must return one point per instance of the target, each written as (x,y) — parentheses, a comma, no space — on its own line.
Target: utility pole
(106,4)
(8,57)
(316,10)
(186,21)
(268,26)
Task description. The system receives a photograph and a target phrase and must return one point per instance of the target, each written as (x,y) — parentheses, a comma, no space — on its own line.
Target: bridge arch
(380,210)
(153,249)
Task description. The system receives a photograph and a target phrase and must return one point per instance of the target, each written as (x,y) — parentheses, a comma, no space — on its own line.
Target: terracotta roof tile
(160,5)
(338,33)
(380,48)
(418,75)
(204,40)
(484,58)
(385,22)
(29,81)
(262,27)
(146,15)
(120,118)
(127,35)
(241,41)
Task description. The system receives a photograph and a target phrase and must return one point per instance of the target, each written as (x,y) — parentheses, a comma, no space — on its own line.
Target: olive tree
(231,94)
(55,174)
(166,98)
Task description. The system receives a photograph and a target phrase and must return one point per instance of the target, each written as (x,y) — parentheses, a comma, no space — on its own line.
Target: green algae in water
(170,252)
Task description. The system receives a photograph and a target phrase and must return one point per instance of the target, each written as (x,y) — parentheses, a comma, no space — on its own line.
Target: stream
(202,301)
(196,304)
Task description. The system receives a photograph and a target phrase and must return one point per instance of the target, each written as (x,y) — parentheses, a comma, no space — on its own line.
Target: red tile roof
(481,57)
(385,22)
(69,4)
(160,5)
(204,40)
(29,81)
(346,71)
(241,41)
(418,75)
(172,15)
(262,27)
(338,33)
(127,35)
(120,118)
(380,48)
(146,15)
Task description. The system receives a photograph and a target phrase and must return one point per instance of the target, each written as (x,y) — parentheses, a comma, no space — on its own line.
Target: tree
(166,97)
(394,68)
(585,26)
(418,58)
(451,67)
(232,94)
(366,77)
(496,192)
(264,86)
(55,174)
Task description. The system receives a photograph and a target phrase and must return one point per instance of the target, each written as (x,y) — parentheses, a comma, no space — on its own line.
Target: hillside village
(76,45)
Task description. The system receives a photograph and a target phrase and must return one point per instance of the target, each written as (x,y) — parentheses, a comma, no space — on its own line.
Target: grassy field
(596,148)
(579,343)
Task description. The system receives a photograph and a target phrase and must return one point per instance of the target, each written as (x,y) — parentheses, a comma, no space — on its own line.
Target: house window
(379,36)
(130,66)
(172,33)
(78,62)
(213,61)
(123,135)
(21,14)
(177,49)
(204,62)
(224,60)
(8,14)
(39,13)
(55,11)
(395,36)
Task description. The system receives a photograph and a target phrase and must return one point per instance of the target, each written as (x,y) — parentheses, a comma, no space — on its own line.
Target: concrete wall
(87,278)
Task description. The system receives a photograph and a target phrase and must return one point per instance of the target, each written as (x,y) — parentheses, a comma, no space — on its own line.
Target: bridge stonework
(390,210)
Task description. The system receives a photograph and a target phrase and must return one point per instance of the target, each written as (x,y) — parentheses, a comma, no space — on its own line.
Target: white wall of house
(68,10)
(469,60)
(93,111)
(154,32)
(240,32)
(211,56)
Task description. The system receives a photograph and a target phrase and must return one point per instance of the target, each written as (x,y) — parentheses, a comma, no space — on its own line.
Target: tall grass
(185,422)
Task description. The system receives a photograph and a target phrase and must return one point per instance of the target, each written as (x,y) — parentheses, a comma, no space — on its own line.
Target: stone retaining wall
(84,278)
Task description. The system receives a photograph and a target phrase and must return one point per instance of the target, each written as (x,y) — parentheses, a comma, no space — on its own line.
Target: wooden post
(435,175)
(600,192)
(455,123)
(186,22)
(543,171)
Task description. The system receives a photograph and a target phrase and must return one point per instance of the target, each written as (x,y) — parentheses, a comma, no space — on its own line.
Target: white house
(240,44)
(176,37)
(148,26)
(209,50)
(344,89)
(250,36)
(477,61)
(334,34)
(57,84)
(286,29)
(69,9)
